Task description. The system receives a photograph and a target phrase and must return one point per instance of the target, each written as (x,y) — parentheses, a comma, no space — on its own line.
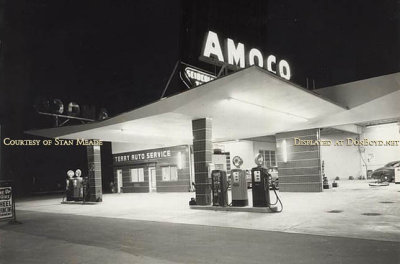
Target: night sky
(87,51)
(119,54)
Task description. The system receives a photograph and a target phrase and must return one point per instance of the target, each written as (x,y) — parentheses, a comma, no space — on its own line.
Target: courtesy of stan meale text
(51,142)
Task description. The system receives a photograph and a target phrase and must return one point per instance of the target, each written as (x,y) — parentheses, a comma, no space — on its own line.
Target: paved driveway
(70,239)
(353,210)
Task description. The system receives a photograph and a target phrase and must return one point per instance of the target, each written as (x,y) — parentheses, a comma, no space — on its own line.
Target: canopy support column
(94,173)
(202,150)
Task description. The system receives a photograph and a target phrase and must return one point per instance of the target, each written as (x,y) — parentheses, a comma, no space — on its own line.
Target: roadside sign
(397,175)
(7,204)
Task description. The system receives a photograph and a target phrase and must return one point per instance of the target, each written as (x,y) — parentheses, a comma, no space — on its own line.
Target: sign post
(7,202)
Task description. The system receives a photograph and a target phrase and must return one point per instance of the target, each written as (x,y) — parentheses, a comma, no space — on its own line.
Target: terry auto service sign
(6,208)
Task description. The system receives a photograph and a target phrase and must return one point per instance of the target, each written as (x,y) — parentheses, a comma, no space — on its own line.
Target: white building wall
(341,161)
(377,156)
(243,149)
(345,161)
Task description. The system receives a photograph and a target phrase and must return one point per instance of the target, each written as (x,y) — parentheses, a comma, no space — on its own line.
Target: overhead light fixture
(284,151)
(179,160)
(244,102)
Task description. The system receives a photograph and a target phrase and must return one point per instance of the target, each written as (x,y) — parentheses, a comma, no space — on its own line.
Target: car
(386,173)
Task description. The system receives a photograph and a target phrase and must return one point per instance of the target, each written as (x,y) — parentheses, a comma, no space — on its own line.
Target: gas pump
(78,186)
(74,186)
(239,184)
(261,182)
(219,186)
(77,190)
(69,185)
(260,186)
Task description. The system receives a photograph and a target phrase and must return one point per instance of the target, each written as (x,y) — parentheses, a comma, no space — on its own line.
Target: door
(152,179)
(119,181)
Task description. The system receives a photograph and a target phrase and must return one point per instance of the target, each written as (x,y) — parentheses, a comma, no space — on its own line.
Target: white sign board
(397,175)
(6,204)
(198,77)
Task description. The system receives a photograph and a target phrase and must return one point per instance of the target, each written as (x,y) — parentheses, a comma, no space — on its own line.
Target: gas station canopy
(248,103)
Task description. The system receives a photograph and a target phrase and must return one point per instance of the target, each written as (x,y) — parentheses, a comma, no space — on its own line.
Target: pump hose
(277,200)
(274,189)
(226,190)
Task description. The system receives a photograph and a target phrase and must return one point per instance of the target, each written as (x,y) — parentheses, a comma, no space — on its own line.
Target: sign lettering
(143,156)
(198,77)
(235,55)
(6,205)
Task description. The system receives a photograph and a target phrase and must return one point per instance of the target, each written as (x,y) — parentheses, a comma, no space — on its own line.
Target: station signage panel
(6,203)
(236,56)
(197,77)
(143,155)
(397,175)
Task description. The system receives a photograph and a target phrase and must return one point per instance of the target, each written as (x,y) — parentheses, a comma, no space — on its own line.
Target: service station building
(172,144)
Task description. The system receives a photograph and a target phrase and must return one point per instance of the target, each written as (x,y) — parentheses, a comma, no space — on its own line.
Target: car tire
(384,178)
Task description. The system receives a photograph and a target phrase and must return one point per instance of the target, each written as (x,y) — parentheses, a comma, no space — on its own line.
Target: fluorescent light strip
(284,151)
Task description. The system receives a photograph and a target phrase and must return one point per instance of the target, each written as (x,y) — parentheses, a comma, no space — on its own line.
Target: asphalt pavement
(354,210)
(62,238)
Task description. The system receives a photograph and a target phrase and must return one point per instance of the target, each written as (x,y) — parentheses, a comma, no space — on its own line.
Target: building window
(169,173)
(269,158)
(273,158)
(137,175)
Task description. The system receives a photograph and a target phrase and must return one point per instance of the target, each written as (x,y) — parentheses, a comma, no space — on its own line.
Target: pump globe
(70,173)
(259,159)
(78,173)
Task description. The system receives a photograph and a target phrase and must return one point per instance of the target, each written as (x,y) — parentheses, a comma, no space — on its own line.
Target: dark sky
(90,51)
(119,54)
(104,47)
(338,41)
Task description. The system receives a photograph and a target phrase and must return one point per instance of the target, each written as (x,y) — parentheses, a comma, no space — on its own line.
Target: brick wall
(202,150)
(302,171)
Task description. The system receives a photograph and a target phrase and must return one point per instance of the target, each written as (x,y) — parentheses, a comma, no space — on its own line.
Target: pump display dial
(237,161)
